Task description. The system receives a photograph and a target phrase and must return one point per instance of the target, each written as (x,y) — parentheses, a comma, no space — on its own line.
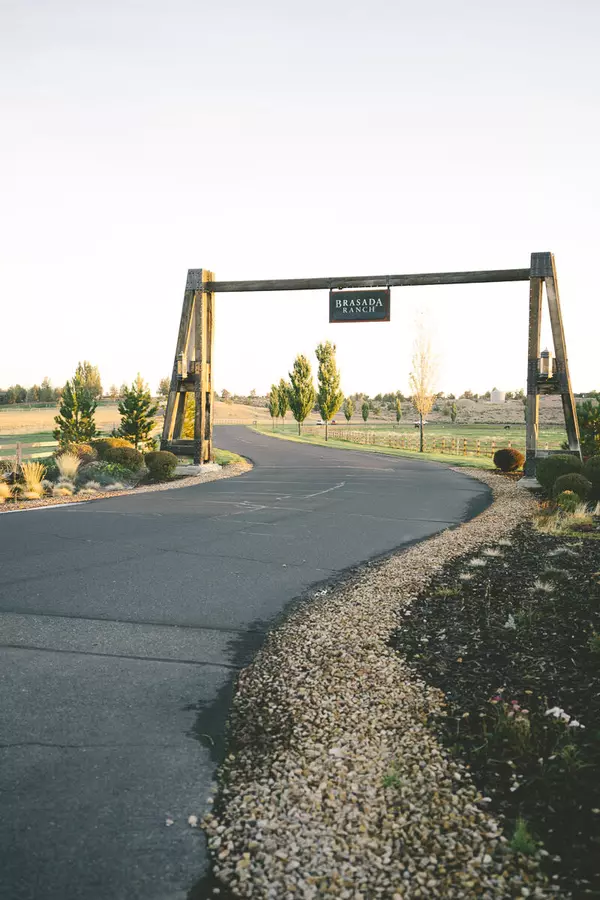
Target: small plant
(508,459)
(128,457)
(92,486)
(522,840)
(492,552)
(68,464)
(392,779)
(446,592)
(64,489)
(595,642)
(5,492)
(567,501)
(574,482)
(477,562)
(161,464)
(32,474)
(552,467)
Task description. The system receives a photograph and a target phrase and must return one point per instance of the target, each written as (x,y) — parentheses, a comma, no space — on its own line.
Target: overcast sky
(294,139)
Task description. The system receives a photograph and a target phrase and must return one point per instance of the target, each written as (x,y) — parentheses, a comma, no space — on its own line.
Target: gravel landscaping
(211,472)
(336,785)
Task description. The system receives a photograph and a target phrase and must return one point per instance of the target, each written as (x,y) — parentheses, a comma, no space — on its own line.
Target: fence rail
(454,446)
(22,449)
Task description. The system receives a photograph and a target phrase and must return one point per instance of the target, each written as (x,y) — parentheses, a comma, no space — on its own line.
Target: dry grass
(68,464)
(33,475)
(5,492)
(63,490)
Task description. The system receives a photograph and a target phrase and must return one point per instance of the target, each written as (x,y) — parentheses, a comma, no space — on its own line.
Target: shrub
(68,465)
(84,452)
(101,445)
(33,474)
(104,473)
(63,490)
(575,482)
(161,464)
(49,463)
(552,467)
(567,501)
(591,470)
(5,492)
(508,459)
(128,457)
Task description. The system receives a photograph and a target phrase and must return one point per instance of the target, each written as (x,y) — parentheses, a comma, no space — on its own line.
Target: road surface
(124,622)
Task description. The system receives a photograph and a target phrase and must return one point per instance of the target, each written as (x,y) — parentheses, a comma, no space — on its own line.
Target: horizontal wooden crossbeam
(369,281)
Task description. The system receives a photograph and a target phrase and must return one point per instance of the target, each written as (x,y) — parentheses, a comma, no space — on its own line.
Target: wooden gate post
(192,372)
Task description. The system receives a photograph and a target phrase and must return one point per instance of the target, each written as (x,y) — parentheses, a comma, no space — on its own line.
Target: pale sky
(294,139)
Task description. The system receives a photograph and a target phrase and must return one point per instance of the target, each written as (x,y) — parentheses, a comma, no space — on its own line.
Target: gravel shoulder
(335,785)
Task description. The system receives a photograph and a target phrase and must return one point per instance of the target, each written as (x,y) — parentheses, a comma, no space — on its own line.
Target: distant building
(497,396)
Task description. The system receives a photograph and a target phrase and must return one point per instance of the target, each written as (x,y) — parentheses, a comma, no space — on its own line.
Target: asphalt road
(124,622)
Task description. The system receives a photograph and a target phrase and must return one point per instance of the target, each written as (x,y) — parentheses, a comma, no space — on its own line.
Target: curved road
(123,624)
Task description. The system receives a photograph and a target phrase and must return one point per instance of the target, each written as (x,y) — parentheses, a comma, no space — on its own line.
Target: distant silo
(498,396)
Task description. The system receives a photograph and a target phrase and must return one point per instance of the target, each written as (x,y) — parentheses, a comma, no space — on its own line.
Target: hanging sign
(359,306)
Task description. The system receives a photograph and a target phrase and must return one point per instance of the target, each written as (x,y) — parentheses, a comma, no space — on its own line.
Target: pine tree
(348,408)
(75,422)
(365,410)
(273,401)
(283,399)
(301,391)
(329,396)
(137,413)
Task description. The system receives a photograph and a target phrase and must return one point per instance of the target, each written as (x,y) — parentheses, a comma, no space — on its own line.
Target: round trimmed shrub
(550,468)
(507,459)
(591,470)
(161,464)
(84,452)
(101,445)
(128,457)
(574,482)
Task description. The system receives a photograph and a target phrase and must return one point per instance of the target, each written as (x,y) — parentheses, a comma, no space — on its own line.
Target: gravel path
(336,787)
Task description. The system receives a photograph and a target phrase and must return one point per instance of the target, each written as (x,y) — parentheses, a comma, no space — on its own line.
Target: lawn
(482,462)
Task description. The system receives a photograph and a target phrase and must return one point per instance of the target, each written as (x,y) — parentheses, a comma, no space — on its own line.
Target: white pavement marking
(316,494)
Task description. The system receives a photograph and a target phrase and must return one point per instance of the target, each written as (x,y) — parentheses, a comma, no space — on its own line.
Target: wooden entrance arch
(192,367)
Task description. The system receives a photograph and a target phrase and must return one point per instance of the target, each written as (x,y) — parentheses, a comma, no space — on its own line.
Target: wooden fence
(453,446)
(24,450)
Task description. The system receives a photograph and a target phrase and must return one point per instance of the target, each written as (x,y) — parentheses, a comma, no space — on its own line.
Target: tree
(273,403)
(301,390)
(89,376)
(16,394)
(329,396)
(422,380)
(467,395)
(225,396)
(398,410)
(588,416)
(137,413)
(33,394)
(46,392)
(75,422)
(348,408)
(282,393)
(365,410)
(453,412)
(164,386)
(114,392)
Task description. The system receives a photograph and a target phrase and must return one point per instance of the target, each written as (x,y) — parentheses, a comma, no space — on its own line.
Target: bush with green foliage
(572,481)
(161,464)
(591,470)
(101,445)
(104,473)
(588,417)
(550,468)
(137,411)
(128,457)
(567,501)
(508,459)
(85,452)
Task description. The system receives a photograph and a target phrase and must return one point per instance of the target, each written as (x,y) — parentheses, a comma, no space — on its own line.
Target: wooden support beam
(533,353)
(208,308)
(169,426)
(560,352)
(368,281)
